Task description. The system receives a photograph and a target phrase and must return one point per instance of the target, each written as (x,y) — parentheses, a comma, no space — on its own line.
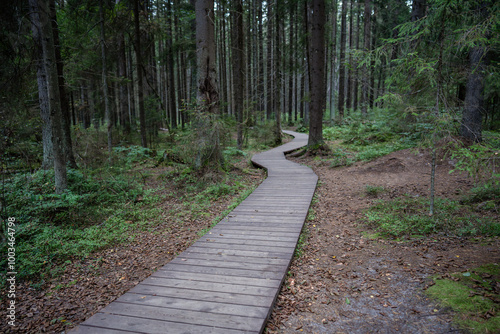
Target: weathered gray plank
(211,268)
(209,286)
(216,278)
(150,326)
(239,322)
(193,305)
(197,295)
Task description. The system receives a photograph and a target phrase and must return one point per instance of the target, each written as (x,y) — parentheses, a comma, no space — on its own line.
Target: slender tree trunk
(348,70)
(356,70)
(270,62)
(291,60)
(334,81)
(172,110)
(122,89)
(107,105)
(42,8)
(277,67)
(238,54)
(316,57)
(43,97)
(471,126)
(140,86)
(365,80)
(342,70)
(65,108)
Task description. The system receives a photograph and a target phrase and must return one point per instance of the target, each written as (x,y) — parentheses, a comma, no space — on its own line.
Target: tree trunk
(349,75)
(209,146)
(341,97)
(172,110)
(270,63)
(65,108)
(56,118)
(316,57)
(140,86)
(277,69)
(107,105)
(122,89)
(356,70)
(48,157)
(365,80)
(471,126)
(238,67)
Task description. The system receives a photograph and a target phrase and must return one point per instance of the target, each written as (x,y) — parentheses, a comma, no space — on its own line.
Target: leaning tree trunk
(49,60)
(316,57)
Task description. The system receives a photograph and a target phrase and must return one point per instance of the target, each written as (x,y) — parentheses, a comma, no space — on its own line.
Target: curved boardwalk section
(227,281)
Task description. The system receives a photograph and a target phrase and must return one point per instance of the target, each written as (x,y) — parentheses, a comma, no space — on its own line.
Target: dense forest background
(89,88)
(131,123)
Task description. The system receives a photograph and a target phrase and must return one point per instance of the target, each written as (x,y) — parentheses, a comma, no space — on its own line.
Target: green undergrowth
(100,208)
(359,138)
(409,216)
(474,297)
(110,203)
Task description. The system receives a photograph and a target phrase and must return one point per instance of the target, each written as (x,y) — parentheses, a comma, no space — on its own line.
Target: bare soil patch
(347,282)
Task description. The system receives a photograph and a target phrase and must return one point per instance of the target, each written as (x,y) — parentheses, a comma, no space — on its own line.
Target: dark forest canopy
(132,66)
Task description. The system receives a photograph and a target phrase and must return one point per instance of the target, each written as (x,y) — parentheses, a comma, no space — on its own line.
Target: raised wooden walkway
(227,281)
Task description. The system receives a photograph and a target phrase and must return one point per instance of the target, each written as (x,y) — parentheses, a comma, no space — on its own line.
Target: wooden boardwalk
(227,281)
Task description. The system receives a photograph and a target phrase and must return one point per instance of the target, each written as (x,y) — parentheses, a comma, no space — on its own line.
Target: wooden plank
(262,265)
(220,232)
(217,278)
(241,322)
(233,261)
(210,268)
(230,252)
(84,329)
(210,296)
(150,326)
(238,246)
(208,286)
(193,305)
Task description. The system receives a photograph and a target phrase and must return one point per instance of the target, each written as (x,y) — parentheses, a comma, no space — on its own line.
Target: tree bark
(341,96)
(365,79)
(140,86)
(238,67)
(65,108)
(48,157)
(277,72)
(107,105)
(54,99)
(316,57)
(172,109)
(209,146)
(471,126)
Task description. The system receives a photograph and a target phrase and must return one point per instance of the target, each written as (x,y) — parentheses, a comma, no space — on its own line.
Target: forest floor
(344,282)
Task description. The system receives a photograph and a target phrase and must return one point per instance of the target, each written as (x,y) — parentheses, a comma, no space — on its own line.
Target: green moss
(472,297)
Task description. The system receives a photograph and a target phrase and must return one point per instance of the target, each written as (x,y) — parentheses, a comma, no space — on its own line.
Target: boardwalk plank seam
(228,281)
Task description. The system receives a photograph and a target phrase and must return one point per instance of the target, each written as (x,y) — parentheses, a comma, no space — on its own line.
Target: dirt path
(348,283)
